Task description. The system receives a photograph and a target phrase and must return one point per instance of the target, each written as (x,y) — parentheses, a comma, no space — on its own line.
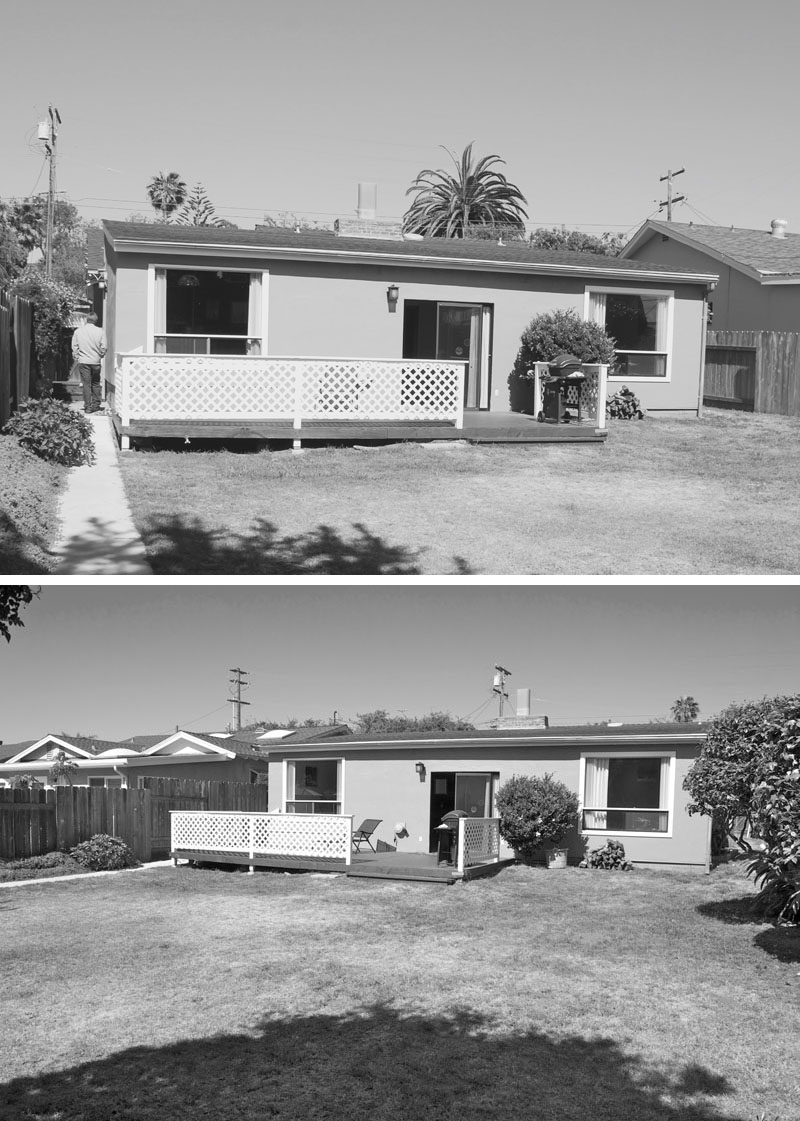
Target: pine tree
(197,210)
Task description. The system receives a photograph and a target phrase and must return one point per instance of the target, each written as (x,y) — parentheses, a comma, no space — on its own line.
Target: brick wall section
(382,228)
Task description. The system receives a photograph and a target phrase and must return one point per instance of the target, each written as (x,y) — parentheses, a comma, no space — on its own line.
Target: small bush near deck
(102,853)
(535,812)
(53,431)
(624,405)
(36,867)
(609,855)
(559,332)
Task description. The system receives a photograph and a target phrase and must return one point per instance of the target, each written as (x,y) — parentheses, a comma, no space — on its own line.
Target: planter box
(556,858)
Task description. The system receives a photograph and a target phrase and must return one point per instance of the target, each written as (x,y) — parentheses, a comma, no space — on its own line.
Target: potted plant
(536,814)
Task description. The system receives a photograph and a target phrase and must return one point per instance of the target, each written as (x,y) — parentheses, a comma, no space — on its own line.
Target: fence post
(539,369)
(602,394)
(460,396)
(252,867)
(461,839)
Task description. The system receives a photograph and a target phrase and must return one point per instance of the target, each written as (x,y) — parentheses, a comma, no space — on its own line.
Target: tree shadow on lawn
(373,1063)
(15,547)
(182,546)
(781,942)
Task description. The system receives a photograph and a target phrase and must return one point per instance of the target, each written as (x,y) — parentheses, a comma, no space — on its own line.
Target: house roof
(324,245)
(755,252)
(95,249)
(497,737)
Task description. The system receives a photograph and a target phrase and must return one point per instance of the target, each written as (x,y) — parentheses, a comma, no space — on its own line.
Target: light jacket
(89,345)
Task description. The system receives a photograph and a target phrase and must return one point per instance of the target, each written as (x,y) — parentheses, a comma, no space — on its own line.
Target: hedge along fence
(16,352)
(35,821)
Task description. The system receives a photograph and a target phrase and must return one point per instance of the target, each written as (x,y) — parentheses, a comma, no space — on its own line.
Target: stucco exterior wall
(340,310)
(385,785)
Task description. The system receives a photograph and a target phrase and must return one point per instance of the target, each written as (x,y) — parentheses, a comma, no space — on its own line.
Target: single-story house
(628,778)
(753,357)
(228,332)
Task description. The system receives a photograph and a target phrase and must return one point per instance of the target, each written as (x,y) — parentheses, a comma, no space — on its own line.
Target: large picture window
(641,325)
(627,794)
(207,311)
(314,786)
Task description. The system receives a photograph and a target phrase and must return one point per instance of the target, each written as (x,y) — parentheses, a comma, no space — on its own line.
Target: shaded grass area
(29,494)
(533,994)
(714,496)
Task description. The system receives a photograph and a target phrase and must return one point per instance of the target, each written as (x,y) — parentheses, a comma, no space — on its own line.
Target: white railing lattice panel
(256,834)
(227,387)
(479,841)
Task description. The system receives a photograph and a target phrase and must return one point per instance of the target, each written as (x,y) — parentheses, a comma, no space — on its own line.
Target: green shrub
(535,812)
(609,855)
(102,853)
(624,405)
(53,431)
(36,867)
(558,332)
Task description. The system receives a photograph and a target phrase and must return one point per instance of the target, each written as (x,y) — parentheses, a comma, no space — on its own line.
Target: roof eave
(521,740)
(351,256)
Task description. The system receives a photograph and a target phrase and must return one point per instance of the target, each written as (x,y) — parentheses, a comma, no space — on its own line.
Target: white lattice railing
(478,841)
(587,394)
(328,836)
(227,387)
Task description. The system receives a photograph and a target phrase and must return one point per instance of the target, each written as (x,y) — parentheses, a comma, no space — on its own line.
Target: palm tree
(167,193)
(476,199)
(684,710)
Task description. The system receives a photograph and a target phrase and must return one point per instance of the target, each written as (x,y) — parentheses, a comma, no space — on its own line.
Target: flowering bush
(54,304)
(102,853)
(609,855)
(535,812)
(53,431)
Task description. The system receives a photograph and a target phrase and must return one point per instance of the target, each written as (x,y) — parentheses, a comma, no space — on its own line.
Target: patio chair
(364,832)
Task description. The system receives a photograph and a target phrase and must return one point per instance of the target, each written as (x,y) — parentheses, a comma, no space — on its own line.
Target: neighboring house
(754,325)
(103,763)
(220,330)
(96,271)
(629,780)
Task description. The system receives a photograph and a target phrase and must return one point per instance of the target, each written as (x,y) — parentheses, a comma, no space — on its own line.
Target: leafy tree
(63,769)
(607,245)
(197,210)
(23,230)
(685,710)
(738,749)
(13,597)
(54,304)
(25,782)
(476,198)
(379,721)
(166,193)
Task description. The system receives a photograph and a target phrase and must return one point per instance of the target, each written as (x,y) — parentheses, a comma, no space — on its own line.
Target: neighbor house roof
(758,253)
(324,245)
(498,737)
(95,249)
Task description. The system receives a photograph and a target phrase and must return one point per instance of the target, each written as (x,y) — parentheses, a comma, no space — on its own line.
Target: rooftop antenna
(499,686)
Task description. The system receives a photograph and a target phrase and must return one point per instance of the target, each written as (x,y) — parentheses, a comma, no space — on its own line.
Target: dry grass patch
(715,496)
(646,996)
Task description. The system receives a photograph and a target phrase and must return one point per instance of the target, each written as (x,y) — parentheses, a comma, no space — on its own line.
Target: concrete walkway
(97,535)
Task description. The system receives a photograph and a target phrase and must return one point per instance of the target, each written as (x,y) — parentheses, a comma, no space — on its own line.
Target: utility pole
(499,686)
(670,201)
(49,133)
(236,699)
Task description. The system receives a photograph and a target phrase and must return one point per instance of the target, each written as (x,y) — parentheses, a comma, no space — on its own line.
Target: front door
(470,791)
(458,339)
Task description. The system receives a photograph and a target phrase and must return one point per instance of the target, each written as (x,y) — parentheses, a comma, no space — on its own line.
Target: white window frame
(151,300)
(599,753)
(661,293)
(312,759)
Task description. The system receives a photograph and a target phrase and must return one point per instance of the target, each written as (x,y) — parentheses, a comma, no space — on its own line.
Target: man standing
(88,348)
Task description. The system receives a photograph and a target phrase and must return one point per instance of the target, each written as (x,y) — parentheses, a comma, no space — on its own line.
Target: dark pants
(90,380)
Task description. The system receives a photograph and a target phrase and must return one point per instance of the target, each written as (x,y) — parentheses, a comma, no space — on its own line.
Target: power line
(238,683)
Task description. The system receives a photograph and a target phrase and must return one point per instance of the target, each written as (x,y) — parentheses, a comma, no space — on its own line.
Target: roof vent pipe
(367,200)
(523,702)
(778,226)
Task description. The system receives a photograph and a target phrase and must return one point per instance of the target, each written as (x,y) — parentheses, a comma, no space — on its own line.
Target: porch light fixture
(420,769)
(188,280)
(392,293)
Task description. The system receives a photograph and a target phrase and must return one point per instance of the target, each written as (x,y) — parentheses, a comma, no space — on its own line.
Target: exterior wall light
(420,769)
(392,293)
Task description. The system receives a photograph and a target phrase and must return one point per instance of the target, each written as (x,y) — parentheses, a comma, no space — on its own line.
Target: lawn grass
(29,494)
(648,996)
(662,497)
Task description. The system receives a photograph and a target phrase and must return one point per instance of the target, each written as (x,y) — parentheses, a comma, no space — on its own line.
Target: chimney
(367,201)
(366,223)
(778,227)
(523,702)
(523,718)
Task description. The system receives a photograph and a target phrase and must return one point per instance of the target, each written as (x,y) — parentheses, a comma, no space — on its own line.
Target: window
(108,783)
(207,311)
(641,324)
(625,794)
(314,786)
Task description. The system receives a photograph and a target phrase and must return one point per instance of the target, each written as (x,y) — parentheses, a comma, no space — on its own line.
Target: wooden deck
(479,428)
(422,867)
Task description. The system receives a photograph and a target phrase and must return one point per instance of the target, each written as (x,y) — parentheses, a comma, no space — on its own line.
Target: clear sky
(285,105)
(120,660)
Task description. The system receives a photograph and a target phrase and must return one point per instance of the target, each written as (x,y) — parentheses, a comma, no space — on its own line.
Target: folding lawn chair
(364,832)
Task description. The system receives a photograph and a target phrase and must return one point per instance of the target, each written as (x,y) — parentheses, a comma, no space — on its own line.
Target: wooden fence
(16,352)
(754,370)
(35,821)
